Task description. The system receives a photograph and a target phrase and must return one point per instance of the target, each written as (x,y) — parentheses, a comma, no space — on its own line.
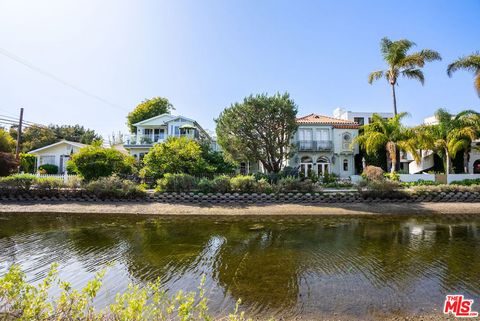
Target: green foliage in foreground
(20,300)
(467,182)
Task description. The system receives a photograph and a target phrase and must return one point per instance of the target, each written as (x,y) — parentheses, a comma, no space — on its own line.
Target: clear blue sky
(204,55)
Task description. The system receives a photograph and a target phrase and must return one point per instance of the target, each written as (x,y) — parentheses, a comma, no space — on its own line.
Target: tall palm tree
(400,63)
(469,63)
(389,134)
(450,135)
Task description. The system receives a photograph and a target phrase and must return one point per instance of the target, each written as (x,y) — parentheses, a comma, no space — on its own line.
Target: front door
(323,168)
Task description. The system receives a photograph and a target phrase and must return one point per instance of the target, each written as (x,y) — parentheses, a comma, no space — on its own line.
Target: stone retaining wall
(236,198)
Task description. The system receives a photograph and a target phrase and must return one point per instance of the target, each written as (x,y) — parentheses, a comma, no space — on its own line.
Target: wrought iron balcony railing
(314,145)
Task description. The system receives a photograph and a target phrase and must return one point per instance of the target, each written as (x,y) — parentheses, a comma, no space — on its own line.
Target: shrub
(381,189)
(176,183)
(174,156)
(114,186)
(244,184)
(420,182)
(8,164)
(27,163)
(329,178)
(467,182)
(263,186)
(48,183)
(423,190)
(219,184)
(18,182)
(293,184)
(48,168)
(392,176)
(93,162)
(373,173)
(21,300)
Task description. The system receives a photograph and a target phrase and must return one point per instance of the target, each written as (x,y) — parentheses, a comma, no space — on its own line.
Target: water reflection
(277,266)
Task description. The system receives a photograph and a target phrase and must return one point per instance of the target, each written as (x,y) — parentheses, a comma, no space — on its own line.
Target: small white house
(56,154)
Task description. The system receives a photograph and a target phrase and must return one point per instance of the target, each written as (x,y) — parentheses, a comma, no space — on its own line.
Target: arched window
(345,165)
(306,165)
(476,167)
(323,165)
(346,140)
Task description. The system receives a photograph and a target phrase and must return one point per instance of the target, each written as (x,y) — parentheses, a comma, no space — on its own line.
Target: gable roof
(63,141)
(145,121)
(326,120)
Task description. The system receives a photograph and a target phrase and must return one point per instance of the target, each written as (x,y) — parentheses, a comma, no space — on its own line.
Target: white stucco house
(360,117)
(56,154)
(324,144)
(157,129)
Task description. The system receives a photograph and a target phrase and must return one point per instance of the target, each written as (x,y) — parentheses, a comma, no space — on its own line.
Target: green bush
(21,300)
(114,186)
(467,182)
(424,190)
(48,183)
(27,163)
(48,168)
(381,189)
(219,184)
(244,184)
(329,178)
(263,186)
(392,176)
(420,182)
(176,183)
(293,184)
(18,182)
(93,162)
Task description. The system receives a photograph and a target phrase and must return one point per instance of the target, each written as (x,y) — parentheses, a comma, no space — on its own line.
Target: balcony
(144,139)
(314,145)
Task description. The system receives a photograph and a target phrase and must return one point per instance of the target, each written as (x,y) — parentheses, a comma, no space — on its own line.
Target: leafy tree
(400,63)
(388,134)
(469,63)
(7,143)
(34,137)
(259,129)
(8,164)
(177,155)
(215,161)
(452,134)
(94,161)
(75,133)
(147,109)
(27,162)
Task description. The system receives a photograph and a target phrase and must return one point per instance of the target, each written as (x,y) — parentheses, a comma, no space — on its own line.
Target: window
(322,134)
(359,120)
(243,168)
(345,165)
(147,131)
(47,159)
(346,141)
(305,134)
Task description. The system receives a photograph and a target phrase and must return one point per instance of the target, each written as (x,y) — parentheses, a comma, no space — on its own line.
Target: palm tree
(400,63)
(469,63)
(450,135)
(389,134)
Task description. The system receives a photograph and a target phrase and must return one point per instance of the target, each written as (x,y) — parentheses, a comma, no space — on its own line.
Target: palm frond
(416,74)
(477,83)
(375,76)
(469,63)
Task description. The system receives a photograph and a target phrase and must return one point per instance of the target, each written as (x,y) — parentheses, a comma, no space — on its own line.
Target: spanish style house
(157,129)
(324,145)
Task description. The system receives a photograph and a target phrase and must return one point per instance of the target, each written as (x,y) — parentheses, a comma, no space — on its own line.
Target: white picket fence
(64,177)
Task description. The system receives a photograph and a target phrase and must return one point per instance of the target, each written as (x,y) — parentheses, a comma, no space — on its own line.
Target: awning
(187,126)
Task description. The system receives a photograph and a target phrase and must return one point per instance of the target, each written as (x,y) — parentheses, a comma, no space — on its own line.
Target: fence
(427,177)
(65,177)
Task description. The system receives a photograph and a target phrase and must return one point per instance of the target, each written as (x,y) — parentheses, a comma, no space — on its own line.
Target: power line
(58,79)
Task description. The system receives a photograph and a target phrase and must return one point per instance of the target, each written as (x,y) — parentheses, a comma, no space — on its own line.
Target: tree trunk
(448,162)
(466,154)
(394,159)
(394,99)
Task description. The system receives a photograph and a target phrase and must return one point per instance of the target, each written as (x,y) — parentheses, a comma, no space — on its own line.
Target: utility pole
(19,136)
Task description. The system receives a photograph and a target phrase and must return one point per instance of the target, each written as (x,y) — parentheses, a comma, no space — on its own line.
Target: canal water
(279,266)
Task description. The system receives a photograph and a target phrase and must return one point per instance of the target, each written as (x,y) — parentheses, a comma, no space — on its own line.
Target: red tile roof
(326,120)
